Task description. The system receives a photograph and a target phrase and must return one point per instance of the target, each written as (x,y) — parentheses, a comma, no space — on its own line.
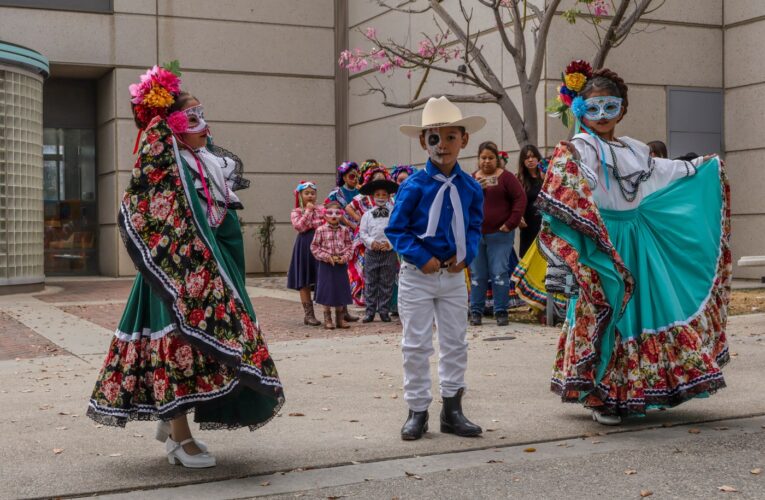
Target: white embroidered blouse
(632,158)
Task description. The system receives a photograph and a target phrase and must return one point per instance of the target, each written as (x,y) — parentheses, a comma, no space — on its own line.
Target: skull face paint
(433,143)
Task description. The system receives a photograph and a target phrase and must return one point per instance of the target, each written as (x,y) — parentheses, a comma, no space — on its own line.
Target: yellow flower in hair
(575,81)
(158,97)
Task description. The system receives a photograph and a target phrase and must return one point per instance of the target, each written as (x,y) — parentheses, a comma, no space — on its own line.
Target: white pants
(423,299)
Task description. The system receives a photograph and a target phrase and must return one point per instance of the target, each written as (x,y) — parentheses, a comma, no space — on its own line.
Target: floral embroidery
(217,344)
(657,369)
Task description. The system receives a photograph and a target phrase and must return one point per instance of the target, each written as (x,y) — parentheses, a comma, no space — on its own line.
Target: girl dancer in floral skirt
(188,339)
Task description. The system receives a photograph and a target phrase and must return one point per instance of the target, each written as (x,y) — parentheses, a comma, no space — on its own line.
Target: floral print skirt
(648,328)
(189,339)
(152,372)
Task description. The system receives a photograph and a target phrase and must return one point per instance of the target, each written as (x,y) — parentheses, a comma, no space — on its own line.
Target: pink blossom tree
(453,48)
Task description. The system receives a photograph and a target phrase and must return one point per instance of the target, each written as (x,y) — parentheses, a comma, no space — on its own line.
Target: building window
(77,5)
(69,195)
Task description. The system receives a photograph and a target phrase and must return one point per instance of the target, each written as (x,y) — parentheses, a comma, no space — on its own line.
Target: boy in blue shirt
(435,228)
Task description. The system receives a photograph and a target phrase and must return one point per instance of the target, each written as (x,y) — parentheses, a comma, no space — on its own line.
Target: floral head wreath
(370,164)
(302,186)
(568,102)
(372,171)
(156,92)
(153,96)
(343,169)
(503,156)
(399,169)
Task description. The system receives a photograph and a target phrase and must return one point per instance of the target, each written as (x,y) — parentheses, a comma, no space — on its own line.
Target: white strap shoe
(606,419)
(176,454)
(163,432)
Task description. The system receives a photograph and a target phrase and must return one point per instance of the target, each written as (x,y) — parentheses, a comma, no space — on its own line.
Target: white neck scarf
(458,220)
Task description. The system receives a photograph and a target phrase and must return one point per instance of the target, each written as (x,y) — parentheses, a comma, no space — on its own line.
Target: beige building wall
(682,46)
(706,44)
(264,71)
(744,137)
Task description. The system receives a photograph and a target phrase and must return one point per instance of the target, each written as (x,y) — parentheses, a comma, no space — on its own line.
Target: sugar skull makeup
(432,142)
(196,118)
(333,212)
(602,108)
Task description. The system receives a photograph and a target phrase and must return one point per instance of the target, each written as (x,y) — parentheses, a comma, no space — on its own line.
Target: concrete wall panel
(747,238)
(107,195)
(743,110)
(746,179)
(696,58)
(272,194)
(743,54)
(263,99)
(135,6)
(278,148)
(382,140)
(246,47)
(284,239)
(60,35)
(135,40)
(737,11)
(291,12)
(106,150)
(109,245)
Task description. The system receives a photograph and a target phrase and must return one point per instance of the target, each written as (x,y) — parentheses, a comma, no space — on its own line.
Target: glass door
(69,197)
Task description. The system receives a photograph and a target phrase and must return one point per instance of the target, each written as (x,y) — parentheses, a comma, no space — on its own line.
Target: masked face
(333,215)
(196,117)
(603,108)
(381,197)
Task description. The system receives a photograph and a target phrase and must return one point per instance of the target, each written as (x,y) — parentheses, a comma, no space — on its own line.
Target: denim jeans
(491,262)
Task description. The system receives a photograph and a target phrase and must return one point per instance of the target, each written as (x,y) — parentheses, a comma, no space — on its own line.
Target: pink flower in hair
(166,79)
(178,122)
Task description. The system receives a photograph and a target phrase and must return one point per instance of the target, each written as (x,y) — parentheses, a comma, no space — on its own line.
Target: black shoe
(502,318)
(385,317)
(368,317)
(415,426)
(476,319)
(452,419)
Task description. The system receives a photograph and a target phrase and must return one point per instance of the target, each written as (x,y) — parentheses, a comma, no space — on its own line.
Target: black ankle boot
(452,419)
(415,426)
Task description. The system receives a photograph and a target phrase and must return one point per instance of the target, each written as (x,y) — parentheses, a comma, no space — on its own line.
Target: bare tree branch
(477,98)
(541,45)
(619,28)
(383,3)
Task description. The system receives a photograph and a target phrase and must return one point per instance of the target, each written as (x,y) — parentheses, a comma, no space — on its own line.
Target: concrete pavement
(345,395)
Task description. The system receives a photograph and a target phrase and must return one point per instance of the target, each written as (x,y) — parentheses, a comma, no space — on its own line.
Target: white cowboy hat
(440,112)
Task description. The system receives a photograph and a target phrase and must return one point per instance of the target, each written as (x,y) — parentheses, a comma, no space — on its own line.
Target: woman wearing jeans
(503,206)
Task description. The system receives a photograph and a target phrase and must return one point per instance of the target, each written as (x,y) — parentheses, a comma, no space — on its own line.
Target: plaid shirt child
(306,219)
(332,241)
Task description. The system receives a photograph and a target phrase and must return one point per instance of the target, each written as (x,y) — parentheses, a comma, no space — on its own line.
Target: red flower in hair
(579,66)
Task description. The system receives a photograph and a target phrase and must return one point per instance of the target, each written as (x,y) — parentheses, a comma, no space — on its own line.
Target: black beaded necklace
(629,185)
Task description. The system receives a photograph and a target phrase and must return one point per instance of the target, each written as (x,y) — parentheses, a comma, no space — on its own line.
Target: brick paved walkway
(102,301)
(18,341)
(281,320)
(87,291)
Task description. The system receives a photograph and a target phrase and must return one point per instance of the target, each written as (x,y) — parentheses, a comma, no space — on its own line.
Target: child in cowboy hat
(435,228)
